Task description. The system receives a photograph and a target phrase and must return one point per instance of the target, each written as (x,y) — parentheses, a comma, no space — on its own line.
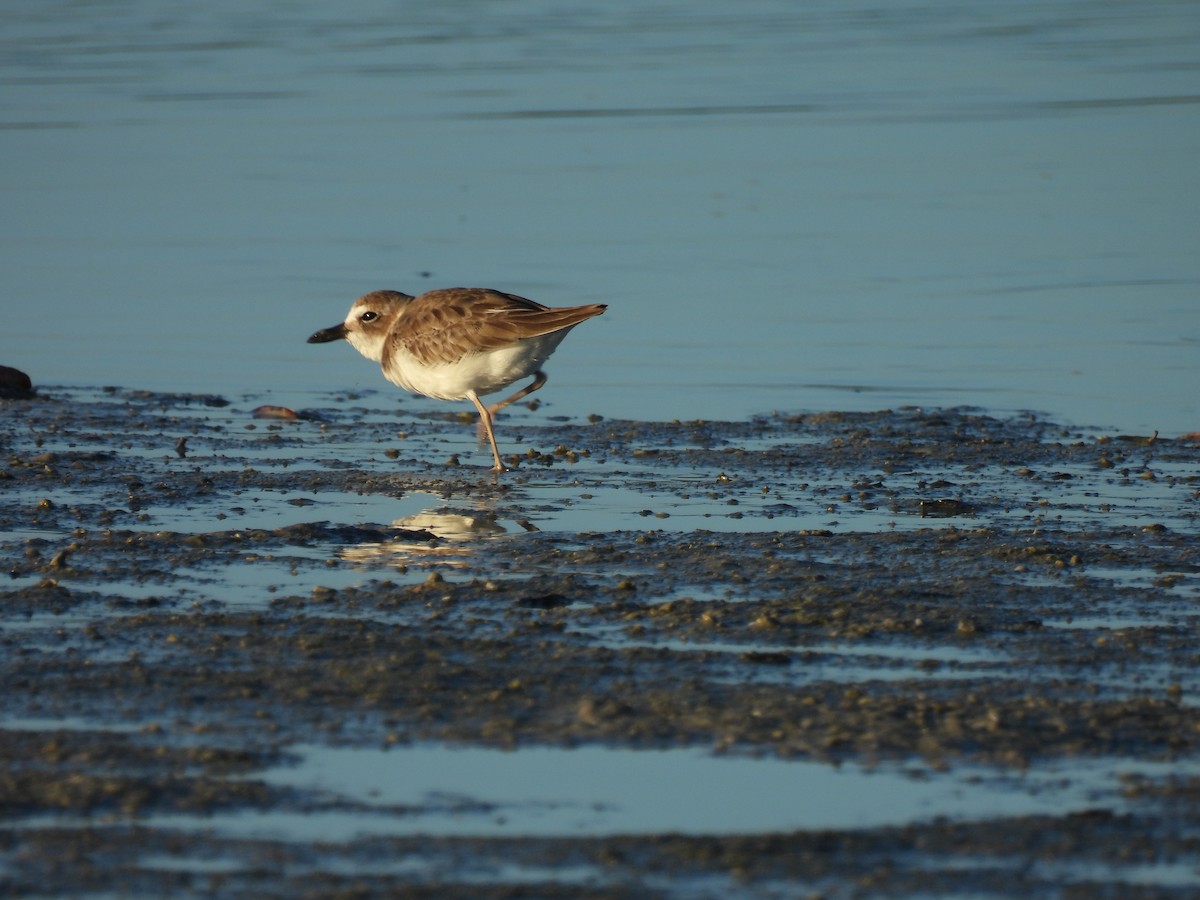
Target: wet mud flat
(235,642)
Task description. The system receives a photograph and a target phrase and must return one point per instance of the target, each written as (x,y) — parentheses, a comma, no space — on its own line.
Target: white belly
(483,373)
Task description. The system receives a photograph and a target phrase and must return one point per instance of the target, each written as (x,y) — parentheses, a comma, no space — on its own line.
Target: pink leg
(485,420)
(539,379)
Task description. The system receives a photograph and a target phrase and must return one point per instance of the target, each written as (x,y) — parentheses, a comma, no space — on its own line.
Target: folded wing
(441,327)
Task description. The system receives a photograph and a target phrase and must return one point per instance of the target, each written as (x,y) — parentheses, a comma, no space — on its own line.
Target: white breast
(483,373)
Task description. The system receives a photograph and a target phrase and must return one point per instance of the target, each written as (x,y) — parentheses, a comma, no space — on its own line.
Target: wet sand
(195,592)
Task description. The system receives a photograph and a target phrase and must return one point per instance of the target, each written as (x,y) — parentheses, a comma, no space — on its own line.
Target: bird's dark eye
(368,316)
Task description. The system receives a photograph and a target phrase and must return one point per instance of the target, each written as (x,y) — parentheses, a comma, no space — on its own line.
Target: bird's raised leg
(539,379)
(485,422)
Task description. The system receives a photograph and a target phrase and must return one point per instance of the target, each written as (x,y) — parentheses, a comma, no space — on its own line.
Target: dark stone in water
(548,601)
(14,384)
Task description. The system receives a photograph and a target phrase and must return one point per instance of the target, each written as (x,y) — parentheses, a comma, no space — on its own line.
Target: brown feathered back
(443,326)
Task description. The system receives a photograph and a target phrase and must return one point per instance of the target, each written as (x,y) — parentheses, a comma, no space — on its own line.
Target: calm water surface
(787,205)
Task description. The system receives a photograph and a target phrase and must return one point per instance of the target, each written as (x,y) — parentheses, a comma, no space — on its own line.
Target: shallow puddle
(816,662)
(596,791)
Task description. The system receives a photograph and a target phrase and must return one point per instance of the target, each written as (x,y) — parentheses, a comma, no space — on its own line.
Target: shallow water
(595,791)
(787,206)
(600,791)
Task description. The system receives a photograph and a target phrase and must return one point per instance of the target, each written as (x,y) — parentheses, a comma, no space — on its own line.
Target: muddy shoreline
(194,592)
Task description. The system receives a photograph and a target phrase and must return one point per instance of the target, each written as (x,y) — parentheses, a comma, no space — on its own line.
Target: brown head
(367,324)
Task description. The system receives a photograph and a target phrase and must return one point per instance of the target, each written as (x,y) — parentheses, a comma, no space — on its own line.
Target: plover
(458,343)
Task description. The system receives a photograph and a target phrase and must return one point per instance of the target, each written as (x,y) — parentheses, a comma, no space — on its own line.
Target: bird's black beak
(325,335)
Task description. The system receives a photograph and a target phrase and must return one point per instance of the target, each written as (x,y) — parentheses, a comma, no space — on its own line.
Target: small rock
(767,658)
(547,601)
(14,384)
(274,412)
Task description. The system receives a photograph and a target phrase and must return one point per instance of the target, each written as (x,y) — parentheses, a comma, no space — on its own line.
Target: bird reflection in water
(442,535)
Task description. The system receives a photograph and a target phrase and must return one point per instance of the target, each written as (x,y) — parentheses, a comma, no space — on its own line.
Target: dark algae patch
(196,593)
